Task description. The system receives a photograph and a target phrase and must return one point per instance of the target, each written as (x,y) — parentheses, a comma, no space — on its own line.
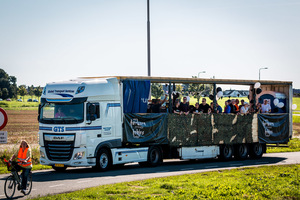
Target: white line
(162,171)
(56,185)
(213,166)
(187,169)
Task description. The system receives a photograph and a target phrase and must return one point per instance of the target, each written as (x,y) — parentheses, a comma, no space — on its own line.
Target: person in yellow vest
(24,163)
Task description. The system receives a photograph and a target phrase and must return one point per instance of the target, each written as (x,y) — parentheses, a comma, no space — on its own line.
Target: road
(50,182)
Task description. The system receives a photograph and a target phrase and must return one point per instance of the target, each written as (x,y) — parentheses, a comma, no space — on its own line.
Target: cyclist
(24,163)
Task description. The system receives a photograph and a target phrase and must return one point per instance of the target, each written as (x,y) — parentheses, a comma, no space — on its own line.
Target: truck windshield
(54,113)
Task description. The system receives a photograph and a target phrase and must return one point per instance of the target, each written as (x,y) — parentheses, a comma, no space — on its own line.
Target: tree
(22,91)
(38,91)
(5,93)
(156,90)
(198,89)
(8,82)
(31,90)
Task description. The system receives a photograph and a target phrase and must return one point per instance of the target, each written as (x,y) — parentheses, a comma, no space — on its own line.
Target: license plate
(59,165)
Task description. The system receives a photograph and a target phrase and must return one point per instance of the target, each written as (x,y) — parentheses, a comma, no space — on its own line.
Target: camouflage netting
(195,130)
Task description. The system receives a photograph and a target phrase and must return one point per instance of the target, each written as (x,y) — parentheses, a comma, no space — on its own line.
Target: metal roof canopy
(195,80)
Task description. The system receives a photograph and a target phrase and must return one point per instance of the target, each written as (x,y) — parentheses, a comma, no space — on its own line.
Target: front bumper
(82,162)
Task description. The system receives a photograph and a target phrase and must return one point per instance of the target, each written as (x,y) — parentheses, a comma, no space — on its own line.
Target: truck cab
(76,119)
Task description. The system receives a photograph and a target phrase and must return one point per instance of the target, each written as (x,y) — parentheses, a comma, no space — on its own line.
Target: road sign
(3,119)
(3,137)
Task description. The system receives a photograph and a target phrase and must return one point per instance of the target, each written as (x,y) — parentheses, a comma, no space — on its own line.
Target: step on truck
(105,121)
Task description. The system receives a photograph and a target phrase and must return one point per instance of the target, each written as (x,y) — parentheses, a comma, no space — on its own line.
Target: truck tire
(256,151)
(154,157)
(103,160)
(59,169)
(241,152)
(226,152)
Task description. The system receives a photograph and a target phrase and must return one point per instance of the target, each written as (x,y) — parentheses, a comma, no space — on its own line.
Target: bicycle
(15,180)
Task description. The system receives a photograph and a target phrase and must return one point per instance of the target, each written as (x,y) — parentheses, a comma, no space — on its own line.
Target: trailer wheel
(226,152)
(154,157)
(103,160)
(241,152)
(256,151)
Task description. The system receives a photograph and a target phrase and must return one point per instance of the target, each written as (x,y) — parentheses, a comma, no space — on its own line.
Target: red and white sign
(3,119)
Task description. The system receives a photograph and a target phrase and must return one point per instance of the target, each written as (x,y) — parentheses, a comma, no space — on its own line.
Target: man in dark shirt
(184,106)
(204,106)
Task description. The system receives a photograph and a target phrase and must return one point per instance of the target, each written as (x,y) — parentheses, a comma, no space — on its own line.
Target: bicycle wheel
(29,184)
(10,187)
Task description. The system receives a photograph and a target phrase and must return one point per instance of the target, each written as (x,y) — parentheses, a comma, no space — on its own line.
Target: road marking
(56,185)
(84,181)
(212,166)
(163,171)
(186,169)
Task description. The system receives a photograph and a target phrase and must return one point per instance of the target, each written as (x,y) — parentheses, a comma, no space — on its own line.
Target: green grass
(294,145)
(16,105)
(3,169)
(296,119)
(268,182)
(296,100)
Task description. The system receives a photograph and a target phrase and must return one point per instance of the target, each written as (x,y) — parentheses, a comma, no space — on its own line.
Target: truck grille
(59,150)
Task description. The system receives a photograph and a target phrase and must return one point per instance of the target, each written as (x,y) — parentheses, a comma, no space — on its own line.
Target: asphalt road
(50,182)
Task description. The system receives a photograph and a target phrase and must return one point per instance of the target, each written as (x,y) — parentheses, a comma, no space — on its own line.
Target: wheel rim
(103,160)
(10,186)
(257,149)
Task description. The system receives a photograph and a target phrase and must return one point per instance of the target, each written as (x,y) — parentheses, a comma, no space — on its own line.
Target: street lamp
(200,73)
(259,71)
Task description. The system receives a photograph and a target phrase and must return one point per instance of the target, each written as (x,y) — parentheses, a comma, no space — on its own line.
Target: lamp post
(148,38)
(200,73)
(259,71)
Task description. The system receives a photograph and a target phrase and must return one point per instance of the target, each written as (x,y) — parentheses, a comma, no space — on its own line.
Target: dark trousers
(24,175)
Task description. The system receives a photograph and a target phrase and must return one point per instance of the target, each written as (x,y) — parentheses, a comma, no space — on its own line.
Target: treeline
(9,88)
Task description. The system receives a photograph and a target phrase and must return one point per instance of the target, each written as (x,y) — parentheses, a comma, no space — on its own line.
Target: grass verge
(268,182)
(3,169)
(293,146)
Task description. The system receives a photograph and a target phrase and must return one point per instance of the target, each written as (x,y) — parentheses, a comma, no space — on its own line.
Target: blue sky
(51,40)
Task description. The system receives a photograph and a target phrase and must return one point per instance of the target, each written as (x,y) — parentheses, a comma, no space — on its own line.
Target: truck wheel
(226,152)
(241,152)
(154,157)
(59,169)
(103,160)
(256,151)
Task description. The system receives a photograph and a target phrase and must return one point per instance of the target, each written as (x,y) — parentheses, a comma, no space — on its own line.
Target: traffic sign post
(3,122)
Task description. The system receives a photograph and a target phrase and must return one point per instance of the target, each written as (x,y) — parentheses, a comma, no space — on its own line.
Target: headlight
(79,155)
(42,154)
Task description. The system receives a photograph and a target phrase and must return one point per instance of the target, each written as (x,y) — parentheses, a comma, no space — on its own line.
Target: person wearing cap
(245,108)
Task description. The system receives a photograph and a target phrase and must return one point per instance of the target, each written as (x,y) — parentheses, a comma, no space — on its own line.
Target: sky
(53,40)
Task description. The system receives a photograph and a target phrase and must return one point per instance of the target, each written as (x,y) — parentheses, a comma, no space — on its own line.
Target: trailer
(103,121)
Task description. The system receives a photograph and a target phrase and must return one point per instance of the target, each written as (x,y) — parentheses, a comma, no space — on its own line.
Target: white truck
(87,122)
